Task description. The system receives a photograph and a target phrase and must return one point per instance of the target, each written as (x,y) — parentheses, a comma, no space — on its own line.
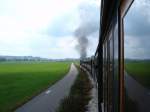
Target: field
(20,81)
(139,70)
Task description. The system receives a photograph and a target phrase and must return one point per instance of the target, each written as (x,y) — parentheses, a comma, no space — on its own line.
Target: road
(138,93)
(49,100)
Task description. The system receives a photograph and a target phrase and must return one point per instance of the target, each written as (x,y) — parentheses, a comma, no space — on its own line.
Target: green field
(20,81)
(139,70)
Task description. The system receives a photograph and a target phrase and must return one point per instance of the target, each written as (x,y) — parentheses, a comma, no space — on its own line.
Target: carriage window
(116,77)
(137,57)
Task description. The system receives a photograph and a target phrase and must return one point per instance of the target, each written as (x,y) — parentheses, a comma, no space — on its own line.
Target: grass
(79,95)
(20,81)
(139,70)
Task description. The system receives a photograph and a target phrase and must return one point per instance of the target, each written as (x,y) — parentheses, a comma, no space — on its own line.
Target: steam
(89,23)
(82,46)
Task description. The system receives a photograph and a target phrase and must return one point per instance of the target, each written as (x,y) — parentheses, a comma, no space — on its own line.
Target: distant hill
(21,58)
(31,58)
(136,60)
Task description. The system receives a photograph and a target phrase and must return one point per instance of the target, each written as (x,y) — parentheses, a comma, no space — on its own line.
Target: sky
(137,30)
(46,28)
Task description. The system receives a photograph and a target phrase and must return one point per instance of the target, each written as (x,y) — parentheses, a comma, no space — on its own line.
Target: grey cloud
(137,20)
(137,31)
(137,47)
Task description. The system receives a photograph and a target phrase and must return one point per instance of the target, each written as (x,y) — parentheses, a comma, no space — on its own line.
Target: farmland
(139,70)
(20,81)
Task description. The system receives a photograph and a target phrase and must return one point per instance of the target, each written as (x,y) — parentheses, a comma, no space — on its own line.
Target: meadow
(20,81)
(139,70)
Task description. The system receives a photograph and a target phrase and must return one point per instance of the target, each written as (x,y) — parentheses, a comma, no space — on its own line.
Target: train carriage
(107,65)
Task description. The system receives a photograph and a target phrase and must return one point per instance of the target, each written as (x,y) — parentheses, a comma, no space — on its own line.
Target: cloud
(137,47)
(55,47)
(39,45)
(39,27)
(137,16)
(89,18)
(63,25)
(86,15)
(137,30)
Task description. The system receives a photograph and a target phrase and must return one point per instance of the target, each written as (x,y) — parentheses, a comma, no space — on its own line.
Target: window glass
(137,57)
(116,76)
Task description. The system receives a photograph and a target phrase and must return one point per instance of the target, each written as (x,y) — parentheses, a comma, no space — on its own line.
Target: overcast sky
(45,28)
(137,30)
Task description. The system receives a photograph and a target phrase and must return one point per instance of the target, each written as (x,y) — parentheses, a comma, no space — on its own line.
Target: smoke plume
(82,46)
(89,23)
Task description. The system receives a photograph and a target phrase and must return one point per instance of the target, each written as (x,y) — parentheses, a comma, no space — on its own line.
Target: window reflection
(137,57)
(116,77)
(110,71)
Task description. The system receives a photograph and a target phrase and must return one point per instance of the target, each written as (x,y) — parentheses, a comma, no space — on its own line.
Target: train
(107,65)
